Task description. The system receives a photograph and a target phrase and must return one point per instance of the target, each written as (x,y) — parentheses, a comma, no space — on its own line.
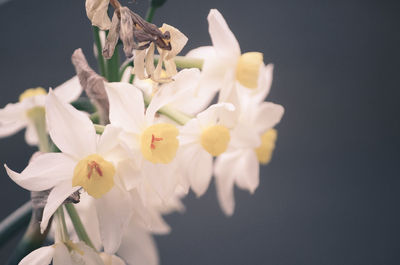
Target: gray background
(331,193)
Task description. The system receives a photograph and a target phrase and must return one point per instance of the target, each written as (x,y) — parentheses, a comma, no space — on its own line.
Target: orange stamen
(93,165)
(154,139)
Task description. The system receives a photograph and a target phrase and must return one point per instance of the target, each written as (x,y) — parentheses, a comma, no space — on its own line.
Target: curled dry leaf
(92,83)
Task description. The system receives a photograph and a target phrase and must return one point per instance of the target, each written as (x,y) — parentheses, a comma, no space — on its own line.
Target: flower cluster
(168,132)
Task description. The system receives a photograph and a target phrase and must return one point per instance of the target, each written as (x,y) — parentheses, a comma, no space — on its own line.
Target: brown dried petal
(92,83)
(126,32)
(112,37)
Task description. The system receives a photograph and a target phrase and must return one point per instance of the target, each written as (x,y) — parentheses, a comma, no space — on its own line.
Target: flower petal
(114,213)
(97,13)
(221,113)
(268,115)
(41,256)
(247,171)
(126,106)
(30,135)
(138,247)
(69,90)
(44,172)
(71,130)
(7,129)
(224,180)
(221,36)
(56,197)
(61,255)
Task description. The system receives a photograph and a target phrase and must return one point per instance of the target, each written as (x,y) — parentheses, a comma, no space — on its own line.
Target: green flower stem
(38,117)
(113,67)
(100,59)
(14,222)
(184,62)
(79,228)
(173,114)
(150,13)
(99,128)
(61,225)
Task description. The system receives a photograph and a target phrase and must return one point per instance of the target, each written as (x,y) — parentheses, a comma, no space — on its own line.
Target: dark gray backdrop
(330,195)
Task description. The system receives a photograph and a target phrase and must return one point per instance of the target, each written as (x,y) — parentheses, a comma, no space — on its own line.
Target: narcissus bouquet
(113,162)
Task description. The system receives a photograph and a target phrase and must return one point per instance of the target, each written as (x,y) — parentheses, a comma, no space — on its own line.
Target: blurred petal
(138,247)
(71,130)
(30,135)
(199,166)
(56,197)
(44,172)
(126,106)
(89,256)
(268,115)
(41,256)
(61,255)
(114,213)
(221,36)
(247,171)
(69,90)
(97,13)
(221,113)
(7,129)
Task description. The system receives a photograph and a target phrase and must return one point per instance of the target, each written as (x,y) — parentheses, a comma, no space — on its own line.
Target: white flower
(201,139)
(16,116)
(63,253)
(252,141)
(153,145)
(224,63)
(86,161)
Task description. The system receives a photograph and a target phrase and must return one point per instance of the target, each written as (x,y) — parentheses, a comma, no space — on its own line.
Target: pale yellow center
(264,151)
(215,139)
(95,175)
(248,68)
(31,92)
(159,144)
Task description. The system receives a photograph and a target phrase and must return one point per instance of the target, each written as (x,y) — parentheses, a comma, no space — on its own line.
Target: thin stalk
(38,118)
(150,13)
(113,67)
(184,62)
(100,59)
(79,228)
(61,228)
(14,222)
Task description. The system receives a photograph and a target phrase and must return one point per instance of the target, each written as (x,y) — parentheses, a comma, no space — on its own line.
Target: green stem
(150,13)
(171,113)
(113,67)
(100,59)
(62,230)
(38,118)
(79,228)
(14,222)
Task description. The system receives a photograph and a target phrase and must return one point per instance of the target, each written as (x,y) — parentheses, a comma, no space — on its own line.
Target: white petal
(71,130)
(264,83)
(69,90)
(247,171)
(114,213)
(138,64)
(203,52)
(14,112)
(221,113)
(40,256)
(130,174)
(111,259)
(61,255)
(7,129)
(222,37)
(268,115)
(126,106)
(30,135)
(138,247)
(199,166)
(89,257)
(44,172)
(108,140)
(224,180)
(56,197)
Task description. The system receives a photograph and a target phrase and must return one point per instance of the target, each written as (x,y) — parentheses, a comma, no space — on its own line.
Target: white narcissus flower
(201,139)
(223,62)
(16,116)
(252,142)
(87,161)
(96,11)
(152,145)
